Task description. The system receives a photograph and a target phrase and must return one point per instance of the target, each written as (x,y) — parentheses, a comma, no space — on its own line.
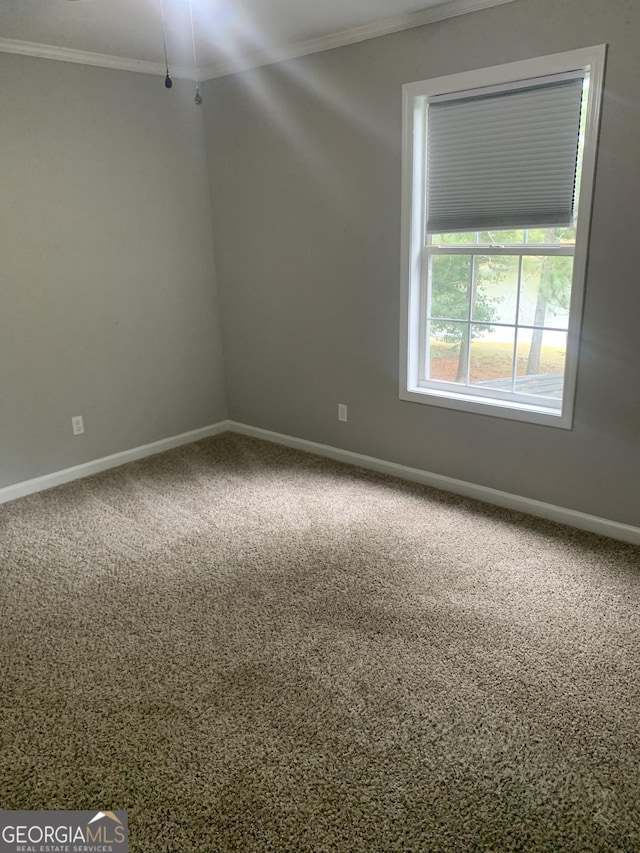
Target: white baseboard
(570,517)
(48,481)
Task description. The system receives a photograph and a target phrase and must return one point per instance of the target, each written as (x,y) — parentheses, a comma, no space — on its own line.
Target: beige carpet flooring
(254,649)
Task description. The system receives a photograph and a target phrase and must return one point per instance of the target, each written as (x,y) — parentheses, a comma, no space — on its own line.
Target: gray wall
(305,170)
(108,306)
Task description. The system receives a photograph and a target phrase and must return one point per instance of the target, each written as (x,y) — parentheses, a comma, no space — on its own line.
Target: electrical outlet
(78,425)
(342,412)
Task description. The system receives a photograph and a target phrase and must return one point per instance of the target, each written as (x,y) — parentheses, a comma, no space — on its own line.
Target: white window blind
(504,159)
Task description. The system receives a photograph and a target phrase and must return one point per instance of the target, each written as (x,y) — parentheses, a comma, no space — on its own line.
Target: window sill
(543,415)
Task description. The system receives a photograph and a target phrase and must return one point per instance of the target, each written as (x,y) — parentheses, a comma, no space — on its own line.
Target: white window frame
(414,254)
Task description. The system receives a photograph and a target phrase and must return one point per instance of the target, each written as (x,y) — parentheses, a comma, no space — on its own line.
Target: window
(497,182)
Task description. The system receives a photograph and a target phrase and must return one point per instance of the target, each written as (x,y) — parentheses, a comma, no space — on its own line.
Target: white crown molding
(82,57)
(442,12)
(450,9)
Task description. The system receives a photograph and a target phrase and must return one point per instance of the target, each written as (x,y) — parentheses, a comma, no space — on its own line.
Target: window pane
(491,361)
(496,288)
(540,363)
(501,237)
(517,236)
(546,291)
(450,280)
(551,236)
(448,347)
(465,238)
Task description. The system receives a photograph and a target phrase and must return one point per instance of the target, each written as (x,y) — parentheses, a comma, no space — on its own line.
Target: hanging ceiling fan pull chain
(168,82)
(198,97)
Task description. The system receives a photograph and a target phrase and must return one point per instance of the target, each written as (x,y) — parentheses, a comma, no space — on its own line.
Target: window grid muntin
(514,365)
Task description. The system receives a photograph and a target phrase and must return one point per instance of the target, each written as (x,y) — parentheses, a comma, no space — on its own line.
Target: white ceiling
(228,32)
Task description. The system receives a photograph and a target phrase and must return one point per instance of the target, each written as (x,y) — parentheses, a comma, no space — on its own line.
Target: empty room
(319,426)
